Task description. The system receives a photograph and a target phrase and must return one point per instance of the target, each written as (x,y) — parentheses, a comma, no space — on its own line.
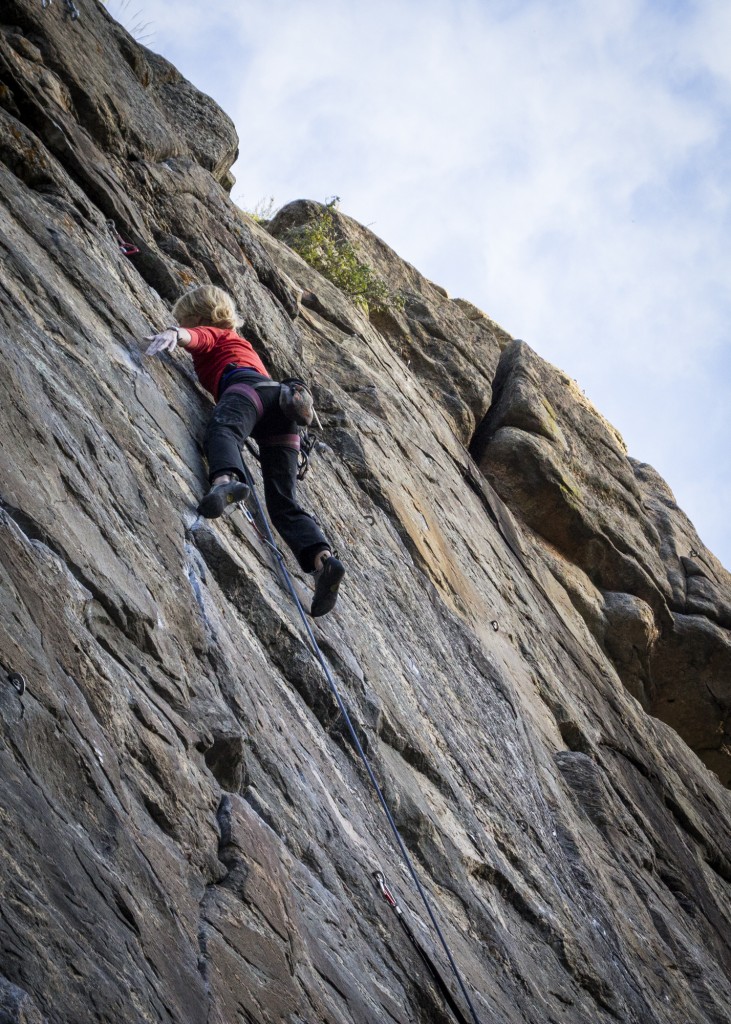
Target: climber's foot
(220,496)
(327,580)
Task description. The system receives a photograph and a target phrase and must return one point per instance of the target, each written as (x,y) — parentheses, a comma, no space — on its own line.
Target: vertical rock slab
(186,833)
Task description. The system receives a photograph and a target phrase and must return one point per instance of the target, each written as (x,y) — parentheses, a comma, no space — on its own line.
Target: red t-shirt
(213,348)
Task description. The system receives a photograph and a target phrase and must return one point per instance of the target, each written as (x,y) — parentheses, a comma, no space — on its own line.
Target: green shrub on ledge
(317,242)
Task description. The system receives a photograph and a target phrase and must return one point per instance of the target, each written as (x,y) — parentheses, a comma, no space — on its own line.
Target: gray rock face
(186,833)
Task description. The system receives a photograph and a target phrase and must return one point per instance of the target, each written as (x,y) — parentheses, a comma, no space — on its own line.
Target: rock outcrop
(533,642)
(653,597)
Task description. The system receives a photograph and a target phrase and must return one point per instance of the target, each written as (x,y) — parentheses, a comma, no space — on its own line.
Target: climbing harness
(409,932)
(295,402)
(308,444)
(268,539)
(71,9)
(126,248)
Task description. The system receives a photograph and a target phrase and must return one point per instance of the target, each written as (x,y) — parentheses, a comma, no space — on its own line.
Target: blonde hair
(207,305)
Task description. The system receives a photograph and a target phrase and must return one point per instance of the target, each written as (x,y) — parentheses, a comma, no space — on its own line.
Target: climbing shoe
(327,581)
(215,503)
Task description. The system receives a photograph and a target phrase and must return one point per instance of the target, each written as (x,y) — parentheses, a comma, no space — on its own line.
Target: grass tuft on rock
(319,244)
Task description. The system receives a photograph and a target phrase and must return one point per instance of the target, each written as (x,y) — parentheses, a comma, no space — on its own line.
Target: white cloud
(563,165)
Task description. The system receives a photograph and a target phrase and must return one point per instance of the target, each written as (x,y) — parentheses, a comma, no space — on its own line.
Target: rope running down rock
(268,539)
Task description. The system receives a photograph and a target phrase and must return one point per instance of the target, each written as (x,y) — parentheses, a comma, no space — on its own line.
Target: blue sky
(564,165)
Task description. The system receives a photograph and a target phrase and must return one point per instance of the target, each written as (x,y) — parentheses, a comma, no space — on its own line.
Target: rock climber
(248,403)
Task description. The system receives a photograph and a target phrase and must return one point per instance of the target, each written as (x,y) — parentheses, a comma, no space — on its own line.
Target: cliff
(534,644)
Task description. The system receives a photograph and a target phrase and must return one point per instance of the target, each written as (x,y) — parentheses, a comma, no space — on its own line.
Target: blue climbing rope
(268,538)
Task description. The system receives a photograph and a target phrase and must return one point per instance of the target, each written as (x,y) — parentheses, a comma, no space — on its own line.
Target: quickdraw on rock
(126,248)
(439,981)
(71,9)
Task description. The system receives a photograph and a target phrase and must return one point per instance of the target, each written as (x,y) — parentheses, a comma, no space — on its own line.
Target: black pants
(242,412)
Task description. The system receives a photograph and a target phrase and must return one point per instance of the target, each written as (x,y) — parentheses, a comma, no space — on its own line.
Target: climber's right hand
(166,341)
